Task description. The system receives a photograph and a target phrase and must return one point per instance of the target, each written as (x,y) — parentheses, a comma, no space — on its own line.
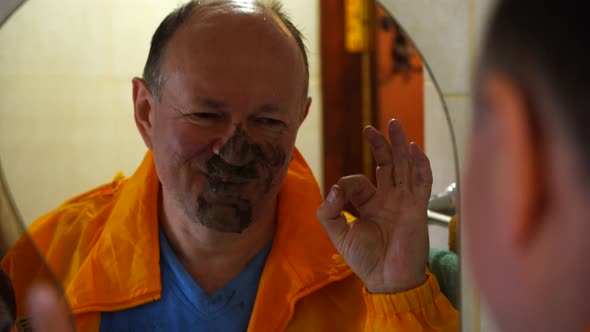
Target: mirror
(406,90)
(65,104)
(371,78)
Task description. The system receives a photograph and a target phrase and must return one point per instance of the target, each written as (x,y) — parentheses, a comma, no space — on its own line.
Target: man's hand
(387,247)
(48,310)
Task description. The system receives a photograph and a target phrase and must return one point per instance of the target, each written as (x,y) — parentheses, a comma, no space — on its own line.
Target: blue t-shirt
(185,307)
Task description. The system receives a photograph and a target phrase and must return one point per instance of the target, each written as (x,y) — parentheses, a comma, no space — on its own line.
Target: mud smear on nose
(240,161)
(239,148)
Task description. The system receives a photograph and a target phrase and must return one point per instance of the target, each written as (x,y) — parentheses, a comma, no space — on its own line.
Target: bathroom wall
(66,121)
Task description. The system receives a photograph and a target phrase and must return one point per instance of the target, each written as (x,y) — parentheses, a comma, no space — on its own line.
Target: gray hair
(153,74)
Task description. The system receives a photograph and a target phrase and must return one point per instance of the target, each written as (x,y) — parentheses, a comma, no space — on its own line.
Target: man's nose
(236,148)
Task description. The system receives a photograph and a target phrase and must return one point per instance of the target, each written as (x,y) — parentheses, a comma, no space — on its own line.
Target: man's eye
(269,121)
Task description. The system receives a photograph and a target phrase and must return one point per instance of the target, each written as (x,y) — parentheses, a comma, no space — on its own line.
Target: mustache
(219,168)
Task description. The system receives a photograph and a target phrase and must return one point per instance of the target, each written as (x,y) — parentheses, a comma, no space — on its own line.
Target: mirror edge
(7,8)
(468,295)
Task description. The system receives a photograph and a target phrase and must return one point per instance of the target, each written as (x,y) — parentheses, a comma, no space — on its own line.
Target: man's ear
(522,166)
(307,106)
(143,105)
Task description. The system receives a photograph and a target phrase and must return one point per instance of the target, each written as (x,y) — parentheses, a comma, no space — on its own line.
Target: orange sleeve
(423,308)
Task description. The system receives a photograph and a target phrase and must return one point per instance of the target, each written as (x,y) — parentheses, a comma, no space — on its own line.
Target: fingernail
(332,195)
(415,150)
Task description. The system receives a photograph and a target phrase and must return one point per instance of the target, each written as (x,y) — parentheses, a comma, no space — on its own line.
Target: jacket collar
(122,269)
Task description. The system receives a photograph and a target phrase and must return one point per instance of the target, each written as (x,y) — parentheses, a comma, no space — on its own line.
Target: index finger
(382,154)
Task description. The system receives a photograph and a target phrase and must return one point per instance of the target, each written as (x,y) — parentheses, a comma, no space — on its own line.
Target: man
(217,229)
(525,203)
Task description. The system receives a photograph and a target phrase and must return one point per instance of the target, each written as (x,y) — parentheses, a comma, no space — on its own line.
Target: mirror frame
(7,8)
(8,210)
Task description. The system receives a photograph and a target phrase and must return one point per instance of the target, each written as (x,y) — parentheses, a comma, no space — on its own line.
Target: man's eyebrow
(269,108)
(210,103)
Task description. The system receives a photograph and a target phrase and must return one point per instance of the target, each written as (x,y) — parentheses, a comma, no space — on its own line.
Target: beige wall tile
(57,142)
(461,115)
(69,39)
(440,29)
(305,15)
(438,235)
(438,143)
(133,24)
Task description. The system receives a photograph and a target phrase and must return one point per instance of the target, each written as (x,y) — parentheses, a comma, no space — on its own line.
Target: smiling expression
(223,132)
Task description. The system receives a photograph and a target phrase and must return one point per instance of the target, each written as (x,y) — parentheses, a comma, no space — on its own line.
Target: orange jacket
(103,247)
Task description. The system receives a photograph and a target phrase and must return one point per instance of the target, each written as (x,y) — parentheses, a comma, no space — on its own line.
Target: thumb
(330,215)
(49,312)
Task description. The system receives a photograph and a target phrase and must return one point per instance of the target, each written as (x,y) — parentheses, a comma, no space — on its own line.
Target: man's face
(224,130)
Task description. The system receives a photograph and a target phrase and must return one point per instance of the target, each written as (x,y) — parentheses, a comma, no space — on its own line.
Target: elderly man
(217,229)
(525,205)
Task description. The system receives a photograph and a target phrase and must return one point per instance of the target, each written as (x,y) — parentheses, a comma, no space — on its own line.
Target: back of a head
(542,46)
(538,49)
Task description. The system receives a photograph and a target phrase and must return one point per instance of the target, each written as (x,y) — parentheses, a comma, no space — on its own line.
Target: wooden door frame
(342,101)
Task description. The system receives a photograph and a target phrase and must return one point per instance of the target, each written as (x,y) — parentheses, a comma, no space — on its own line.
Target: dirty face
(224,205)
(224,129)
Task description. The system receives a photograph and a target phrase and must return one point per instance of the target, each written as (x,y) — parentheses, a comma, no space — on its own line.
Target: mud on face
(240,162)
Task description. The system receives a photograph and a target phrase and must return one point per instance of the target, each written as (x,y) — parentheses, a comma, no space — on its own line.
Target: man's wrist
(397,287)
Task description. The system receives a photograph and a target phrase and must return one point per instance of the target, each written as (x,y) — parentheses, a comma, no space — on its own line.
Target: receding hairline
(267,8)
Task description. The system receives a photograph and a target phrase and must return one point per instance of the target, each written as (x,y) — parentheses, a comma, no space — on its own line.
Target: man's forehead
(232,35)
(226,34)
(223,31)
(216,7)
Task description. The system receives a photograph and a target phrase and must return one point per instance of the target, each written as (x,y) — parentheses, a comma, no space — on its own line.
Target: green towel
(445,266)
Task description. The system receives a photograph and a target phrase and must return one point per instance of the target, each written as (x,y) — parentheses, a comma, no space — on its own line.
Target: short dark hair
(543,46)
(152,73)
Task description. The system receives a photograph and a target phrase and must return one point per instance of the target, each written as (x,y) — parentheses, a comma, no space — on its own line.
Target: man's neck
(214,258)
